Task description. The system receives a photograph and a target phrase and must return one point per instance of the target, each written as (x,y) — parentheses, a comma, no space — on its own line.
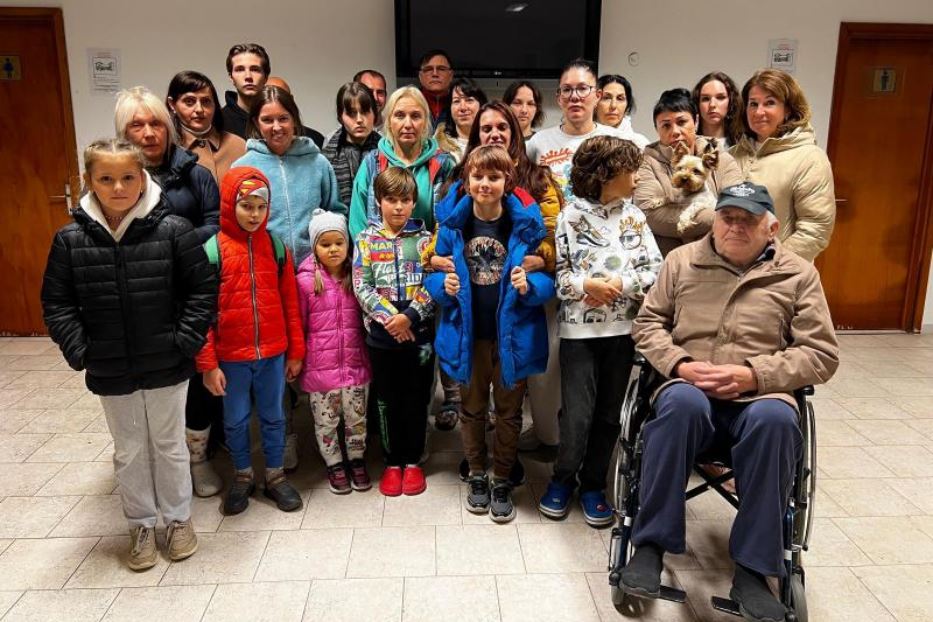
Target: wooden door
(875,269)
(37,160)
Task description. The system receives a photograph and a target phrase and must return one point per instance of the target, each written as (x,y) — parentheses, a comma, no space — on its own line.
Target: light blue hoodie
(301,181)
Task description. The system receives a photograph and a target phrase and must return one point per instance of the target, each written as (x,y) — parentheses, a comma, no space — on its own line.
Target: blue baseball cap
(748,196)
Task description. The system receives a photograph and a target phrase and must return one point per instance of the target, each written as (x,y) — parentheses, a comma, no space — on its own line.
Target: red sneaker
(391,483)
(413,481)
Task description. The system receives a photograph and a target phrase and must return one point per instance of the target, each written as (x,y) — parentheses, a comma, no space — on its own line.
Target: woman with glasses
(616,105)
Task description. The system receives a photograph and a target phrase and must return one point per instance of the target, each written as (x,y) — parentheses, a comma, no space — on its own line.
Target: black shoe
(751,593)
(238,496)
(501,509)
(284,494)
(517,474)
(642,574)
(477,500)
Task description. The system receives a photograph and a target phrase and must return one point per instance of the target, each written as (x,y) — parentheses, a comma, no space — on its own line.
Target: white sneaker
(205,479)
(290,461)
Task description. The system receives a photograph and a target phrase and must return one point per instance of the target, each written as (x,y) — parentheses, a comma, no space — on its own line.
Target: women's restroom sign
(104,70)
(10,68)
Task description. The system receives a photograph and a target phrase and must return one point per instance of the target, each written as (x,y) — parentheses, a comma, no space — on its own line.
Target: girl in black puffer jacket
(128,295)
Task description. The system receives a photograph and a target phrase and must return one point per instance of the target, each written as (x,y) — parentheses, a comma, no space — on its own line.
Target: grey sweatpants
(150,456)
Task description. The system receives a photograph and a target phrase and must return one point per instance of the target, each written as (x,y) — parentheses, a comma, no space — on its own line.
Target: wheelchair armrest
(807,390)
(639,359)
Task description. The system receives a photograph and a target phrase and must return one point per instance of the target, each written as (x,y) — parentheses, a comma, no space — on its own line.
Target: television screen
(497,38)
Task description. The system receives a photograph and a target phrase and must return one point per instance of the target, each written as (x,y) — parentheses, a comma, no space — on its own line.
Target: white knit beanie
(323,221)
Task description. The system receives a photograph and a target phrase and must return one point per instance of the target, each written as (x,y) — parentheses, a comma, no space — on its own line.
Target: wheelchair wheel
(799,598)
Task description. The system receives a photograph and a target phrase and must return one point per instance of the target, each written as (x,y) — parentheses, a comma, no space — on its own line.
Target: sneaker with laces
(501,508)
(180,540)
(238,496)
(413,482)
(339,482)
(596,510)
(284,494)
(142,548)
(477,499)
(556,500)
(390,484)
(359,476)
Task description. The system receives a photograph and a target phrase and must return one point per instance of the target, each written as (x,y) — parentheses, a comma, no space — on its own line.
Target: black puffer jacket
(190,190)
(132,313)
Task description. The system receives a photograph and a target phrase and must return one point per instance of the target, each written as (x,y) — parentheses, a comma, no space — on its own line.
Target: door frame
(919,269)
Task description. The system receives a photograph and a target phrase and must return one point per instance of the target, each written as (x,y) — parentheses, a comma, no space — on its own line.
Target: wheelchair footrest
(672,594)
(726,605)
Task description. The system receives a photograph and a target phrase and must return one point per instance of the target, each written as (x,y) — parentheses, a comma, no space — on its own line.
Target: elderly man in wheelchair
(734,325)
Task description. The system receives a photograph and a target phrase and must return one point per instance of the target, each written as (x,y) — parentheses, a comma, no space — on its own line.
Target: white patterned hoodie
(595,240)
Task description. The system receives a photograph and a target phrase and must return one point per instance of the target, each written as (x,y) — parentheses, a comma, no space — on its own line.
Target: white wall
(319,44)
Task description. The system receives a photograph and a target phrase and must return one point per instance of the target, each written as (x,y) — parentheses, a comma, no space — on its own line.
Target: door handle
(842,200)
(66,196)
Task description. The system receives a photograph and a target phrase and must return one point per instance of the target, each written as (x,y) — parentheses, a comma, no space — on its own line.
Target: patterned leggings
(341,407)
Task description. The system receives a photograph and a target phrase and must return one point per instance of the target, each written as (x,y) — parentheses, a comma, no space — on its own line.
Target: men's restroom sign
(10,68)
(884,80)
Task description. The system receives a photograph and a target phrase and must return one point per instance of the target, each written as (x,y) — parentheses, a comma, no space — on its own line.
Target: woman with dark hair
(616,105)
(524,98)
(465,99)
(356,112)
(778,150)
(720,107)
(196,113)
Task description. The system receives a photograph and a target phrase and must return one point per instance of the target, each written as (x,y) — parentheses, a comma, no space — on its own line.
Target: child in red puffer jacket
(336,372)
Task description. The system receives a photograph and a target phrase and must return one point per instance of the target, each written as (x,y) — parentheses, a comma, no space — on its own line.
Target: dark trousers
(766,444)
(402,382)
(202,410)
(594,374)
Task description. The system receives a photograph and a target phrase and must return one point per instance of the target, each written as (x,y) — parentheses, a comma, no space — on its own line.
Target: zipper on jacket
(398,276)
(340,335)
(125,306)
(252,287)
(288,209)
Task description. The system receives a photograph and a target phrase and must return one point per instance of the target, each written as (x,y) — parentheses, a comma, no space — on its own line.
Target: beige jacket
(799,178)
(662,203)
(216,152)
(773,317)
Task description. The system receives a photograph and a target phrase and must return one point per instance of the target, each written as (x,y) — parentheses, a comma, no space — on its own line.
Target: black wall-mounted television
(497,38)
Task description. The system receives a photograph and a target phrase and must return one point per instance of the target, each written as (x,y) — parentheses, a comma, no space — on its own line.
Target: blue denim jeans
(266,377)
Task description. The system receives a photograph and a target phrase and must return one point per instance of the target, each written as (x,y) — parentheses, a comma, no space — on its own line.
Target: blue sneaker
(596,510)
(556,501)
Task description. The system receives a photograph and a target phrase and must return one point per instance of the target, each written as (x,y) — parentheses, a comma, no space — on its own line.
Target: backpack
(212,248)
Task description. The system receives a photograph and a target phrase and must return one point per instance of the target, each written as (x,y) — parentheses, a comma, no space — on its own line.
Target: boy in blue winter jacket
(492,329)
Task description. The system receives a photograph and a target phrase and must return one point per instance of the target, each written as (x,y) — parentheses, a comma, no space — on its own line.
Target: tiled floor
(362,557)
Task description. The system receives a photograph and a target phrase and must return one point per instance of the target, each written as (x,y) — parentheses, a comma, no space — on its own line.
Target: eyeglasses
(435,69)
(581,91)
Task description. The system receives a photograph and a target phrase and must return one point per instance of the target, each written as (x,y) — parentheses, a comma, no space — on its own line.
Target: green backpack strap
(279,247)
(212,248)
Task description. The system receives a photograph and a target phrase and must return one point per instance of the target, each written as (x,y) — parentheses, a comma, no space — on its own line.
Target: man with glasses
(577,96)
(434,74)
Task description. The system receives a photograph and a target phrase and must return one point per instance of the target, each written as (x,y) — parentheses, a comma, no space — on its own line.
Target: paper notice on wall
(104,70)
(782,54)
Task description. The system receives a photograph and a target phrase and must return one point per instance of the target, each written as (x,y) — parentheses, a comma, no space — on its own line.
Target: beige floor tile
(849,462)
(637,608)
(891,540)
(441,468)
(263,514)
(10,398)
(98,424)
(373,600)
(906,591)
(105,566)
(830,547)
(106,454)
(857,387)
(5,543)
(12,421)
(18,447)
(839,433)
(79,447)
(465,599)
(438,505)
(205,513)
(911,387)
(918,491)
(923,426)
(93,515)
(826,507)
(870,408)
(392,552)
(27,346)
(40,380)
(7,600)
(887,432)
(924,523)
(221,558)
(836,595)
(709,542)
(32,517)
(904,460)
(258,602)
(479,550)
(71,605)
(523,498)
(917,407)
(42,564)
(21,479)
(81,478)
(545,597)
(867,497)
(357,509)
(160,604)
(7,376)
(40,362)
(890,369)
(61,421)
(51,398)
(562,548)
(829,409)
(306,554)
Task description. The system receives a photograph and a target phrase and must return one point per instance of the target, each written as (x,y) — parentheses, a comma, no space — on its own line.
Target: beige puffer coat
(799,178)
(773,317)
(662,203)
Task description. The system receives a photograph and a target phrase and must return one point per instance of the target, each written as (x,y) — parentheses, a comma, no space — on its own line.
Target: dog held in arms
(690,175)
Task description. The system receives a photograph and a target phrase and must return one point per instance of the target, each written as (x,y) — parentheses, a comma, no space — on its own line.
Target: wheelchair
(798,515)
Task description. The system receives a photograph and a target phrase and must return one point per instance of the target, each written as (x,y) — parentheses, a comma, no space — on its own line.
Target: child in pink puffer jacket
(336,369)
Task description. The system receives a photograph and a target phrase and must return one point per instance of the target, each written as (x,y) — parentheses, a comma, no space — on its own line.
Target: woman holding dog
(678,215)
(778,150)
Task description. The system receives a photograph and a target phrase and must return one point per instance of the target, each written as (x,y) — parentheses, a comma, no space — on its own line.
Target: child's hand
(216,382)
(532,263)
(292,369)
(601,290)
(520,280)
(399,326)
(451,284)
(442,264)
(617,283)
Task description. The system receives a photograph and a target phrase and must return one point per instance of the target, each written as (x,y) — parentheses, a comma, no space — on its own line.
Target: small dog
(690,175)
